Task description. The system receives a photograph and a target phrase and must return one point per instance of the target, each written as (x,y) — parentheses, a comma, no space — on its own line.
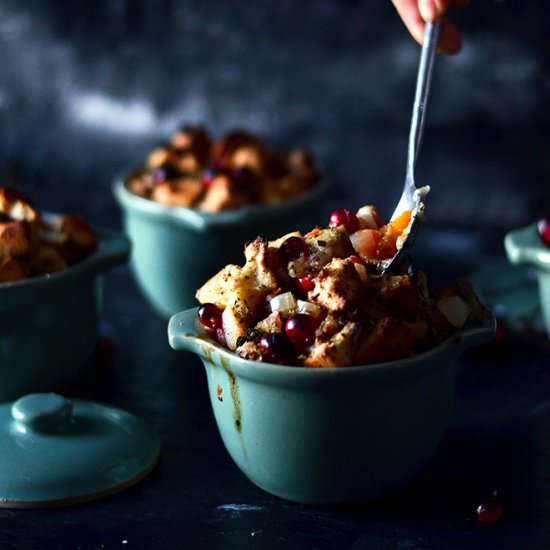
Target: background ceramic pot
(335,435)
(49,324)
(176,249)
(523,246)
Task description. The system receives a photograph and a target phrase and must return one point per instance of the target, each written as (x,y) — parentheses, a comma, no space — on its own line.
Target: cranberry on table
(300,329)
(345,217)
(489,512)
(210,316)
(543,228)
(275,347)
(292,248)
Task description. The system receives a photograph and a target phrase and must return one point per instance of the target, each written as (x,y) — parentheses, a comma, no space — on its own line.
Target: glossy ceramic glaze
(58,452)
(176,249)
(48,324)
(524,246)
(329,435)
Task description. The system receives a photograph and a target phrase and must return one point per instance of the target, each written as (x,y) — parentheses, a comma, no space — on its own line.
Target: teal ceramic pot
(524,246)
(323,436)
(176,249)
(49,324)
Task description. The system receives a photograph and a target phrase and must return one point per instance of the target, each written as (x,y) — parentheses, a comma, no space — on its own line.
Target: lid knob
(43,411)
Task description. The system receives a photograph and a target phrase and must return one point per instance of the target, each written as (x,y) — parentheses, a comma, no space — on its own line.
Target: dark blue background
(86,88)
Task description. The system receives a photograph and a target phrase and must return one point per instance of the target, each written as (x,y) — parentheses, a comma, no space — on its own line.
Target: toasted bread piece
(222,193)
(15,239)
(178,192)
(12,269)
(339,351)
(274,322)
(390,339)
(338,286)
(241,291)
(404,295)
(47,259)
(217,289)
(324,244)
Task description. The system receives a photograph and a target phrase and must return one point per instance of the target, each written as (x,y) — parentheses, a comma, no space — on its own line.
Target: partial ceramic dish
(512,292)
(524,247)
(175,249)
(49,323)
(333,435)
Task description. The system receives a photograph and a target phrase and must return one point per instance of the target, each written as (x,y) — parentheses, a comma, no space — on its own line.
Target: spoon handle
(423,81)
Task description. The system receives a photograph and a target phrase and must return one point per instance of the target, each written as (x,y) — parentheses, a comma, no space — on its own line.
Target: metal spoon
(412,197)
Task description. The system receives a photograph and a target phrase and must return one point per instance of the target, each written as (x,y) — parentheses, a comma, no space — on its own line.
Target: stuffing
(35,244)
(194,170)
(316,301)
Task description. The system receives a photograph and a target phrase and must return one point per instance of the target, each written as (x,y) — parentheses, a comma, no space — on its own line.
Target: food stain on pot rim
(234,388)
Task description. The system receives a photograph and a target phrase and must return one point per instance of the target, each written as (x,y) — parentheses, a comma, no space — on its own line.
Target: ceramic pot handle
(523,247)
(182,330)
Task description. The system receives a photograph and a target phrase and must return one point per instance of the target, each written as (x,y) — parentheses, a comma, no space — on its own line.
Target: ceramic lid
(57,451)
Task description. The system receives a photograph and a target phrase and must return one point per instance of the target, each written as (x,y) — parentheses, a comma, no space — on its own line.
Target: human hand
(415,14)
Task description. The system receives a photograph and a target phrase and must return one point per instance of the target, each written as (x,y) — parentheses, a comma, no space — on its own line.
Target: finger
(450,40)
(408,11)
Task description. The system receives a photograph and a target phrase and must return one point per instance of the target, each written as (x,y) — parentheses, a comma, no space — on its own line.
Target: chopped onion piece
(307,307)
(285,303)
(455,309)
(368,217)
(365,242)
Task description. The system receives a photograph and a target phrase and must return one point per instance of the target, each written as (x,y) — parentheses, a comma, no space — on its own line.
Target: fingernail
(427,10)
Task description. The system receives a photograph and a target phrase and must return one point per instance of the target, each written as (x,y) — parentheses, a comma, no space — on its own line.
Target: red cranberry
(210,316)
(292,248)
(543,227)
(489,512)
(501,333)
(275,347)
(305,284)
(345,217)
(300,330)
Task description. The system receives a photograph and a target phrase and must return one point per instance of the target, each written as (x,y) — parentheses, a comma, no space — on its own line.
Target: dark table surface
(498,440)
